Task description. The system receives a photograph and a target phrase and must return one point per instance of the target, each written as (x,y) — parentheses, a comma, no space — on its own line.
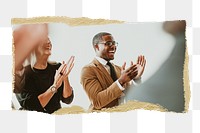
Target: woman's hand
(67,91)
(63,72)
(58,78)
(68,67)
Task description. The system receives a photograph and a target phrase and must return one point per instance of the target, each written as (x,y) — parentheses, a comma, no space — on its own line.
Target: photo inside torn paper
(163,86)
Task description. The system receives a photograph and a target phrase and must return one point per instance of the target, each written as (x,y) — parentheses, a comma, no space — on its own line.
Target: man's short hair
(98,37)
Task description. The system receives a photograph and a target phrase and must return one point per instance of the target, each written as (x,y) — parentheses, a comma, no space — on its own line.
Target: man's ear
(96,47)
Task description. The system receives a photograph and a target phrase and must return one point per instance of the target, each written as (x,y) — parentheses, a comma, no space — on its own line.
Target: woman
(44,84)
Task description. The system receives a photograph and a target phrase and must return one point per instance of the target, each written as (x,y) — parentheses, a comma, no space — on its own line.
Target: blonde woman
(43,84)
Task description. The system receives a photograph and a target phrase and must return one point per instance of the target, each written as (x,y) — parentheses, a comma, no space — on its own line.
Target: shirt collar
(101,60)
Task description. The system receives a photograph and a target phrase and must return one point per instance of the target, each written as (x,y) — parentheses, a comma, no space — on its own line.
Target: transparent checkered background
(130,122)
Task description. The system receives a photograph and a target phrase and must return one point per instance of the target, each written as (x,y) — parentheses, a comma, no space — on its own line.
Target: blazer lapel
(103,70)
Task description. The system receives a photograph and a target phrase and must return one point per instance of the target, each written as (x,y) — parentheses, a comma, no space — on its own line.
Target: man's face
(104,50)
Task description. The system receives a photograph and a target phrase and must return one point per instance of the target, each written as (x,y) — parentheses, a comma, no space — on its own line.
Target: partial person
(26,37)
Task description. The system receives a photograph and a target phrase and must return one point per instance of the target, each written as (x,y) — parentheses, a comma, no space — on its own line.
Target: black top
(37,81)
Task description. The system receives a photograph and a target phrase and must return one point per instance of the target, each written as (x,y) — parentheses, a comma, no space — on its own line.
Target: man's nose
(113,46)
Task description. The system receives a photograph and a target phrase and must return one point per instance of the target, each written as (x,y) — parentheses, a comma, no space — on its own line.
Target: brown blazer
(102,91)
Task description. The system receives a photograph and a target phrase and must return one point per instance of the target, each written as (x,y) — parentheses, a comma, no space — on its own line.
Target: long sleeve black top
(37,81)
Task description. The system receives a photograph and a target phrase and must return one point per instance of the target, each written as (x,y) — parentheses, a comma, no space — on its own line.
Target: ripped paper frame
(130,105)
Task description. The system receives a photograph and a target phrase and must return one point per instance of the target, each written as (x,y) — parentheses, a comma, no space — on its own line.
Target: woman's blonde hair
(31,60)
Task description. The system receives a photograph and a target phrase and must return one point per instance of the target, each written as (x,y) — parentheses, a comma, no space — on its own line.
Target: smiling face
(44,48)
(105,51)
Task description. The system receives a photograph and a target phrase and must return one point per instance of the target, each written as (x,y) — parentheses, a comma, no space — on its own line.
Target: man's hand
(135,71)
(128,74)
(141,62)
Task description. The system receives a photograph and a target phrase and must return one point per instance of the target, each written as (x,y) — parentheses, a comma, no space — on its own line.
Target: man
(103,81)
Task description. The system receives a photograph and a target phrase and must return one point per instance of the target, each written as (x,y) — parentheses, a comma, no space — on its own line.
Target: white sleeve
(121,87)
(137,81)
